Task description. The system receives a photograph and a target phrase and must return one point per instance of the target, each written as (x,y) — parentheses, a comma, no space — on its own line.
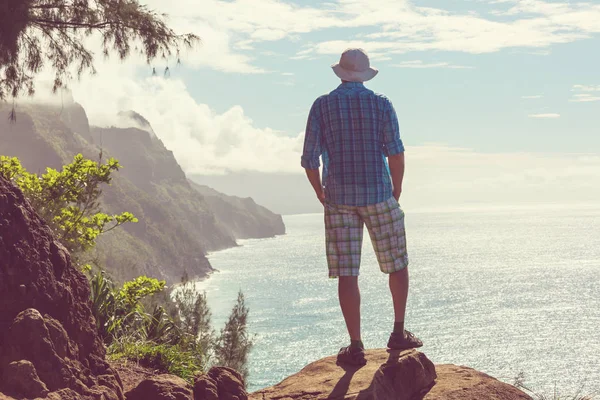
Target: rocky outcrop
(49,347)
(389,375)
(75,117)
(161,387)
(221,383)
(463,383)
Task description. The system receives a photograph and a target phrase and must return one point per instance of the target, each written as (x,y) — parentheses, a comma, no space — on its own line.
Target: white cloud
(584,98)
(421,64)
(537,96)
(586,88)
(232,31)
(541,116)
(589,93)
(203,141)
(407,28)
(215,51)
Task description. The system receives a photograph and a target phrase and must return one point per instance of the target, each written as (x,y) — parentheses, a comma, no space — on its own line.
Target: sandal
(352,356)
(404,341)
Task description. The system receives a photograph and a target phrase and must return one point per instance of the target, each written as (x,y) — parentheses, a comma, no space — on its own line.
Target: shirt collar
(348,85)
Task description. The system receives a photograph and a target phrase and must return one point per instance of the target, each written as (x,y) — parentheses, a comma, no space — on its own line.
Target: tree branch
(68,24)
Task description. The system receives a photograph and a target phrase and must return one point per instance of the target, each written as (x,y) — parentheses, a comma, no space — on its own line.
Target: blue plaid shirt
(354,130)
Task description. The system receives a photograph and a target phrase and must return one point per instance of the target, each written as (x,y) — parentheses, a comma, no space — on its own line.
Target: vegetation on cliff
(173,336)
(170,333)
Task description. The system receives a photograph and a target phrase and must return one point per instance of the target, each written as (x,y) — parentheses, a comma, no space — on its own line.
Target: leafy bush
(119,311)
(182,344)
(68,200)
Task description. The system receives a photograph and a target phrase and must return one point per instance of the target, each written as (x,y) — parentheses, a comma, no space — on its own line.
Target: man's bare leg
(399,289)
(401,338)
(349,295)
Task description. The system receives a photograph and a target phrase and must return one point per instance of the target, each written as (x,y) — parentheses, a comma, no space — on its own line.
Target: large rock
(221,383)
(387,376)
(48,340)
(161,387)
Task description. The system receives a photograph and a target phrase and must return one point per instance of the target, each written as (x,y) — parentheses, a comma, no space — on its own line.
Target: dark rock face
(161,387)
(48,339)
(21,377)
(221,383)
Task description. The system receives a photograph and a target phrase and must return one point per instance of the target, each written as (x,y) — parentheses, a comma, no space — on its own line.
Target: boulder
(221,383)
(21,377)
(161,387)
(388,375)
(48,340)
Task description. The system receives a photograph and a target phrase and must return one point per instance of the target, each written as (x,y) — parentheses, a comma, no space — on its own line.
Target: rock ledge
(389,375)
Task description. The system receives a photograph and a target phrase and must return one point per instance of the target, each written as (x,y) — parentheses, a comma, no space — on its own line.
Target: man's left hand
(321,197)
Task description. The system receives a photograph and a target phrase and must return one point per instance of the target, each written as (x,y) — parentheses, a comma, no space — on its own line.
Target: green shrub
(172,359)
(119,311)
(68,200)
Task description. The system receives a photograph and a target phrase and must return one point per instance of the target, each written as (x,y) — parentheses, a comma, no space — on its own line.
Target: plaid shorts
(344,236)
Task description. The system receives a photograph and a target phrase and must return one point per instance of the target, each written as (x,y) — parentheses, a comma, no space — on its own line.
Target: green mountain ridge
(179,222)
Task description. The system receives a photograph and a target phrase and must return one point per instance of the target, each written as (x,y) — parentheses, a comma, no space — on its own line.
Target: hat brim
(354,76)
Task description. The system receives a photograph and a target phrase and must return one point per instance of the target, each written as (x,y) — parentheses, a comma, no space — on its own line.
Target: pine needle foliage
(195,317)
(38,33)
(234,343)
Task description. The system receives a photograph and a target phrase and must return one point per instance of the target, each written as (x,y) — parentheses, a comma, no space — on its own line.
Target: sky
(498,100)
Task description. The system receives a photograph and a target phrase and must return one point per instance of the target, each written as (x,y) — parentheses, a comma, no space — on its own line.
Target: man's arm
(315,180)
(312,152)
(396,163)
(393,148)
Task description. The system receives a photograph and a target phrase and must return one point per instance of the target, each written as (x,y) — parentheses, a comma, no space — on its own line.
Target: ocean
(504,291)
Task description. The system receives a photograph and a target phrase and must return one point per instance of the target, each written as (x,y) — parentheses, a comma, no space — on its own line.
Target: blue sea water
(499,290)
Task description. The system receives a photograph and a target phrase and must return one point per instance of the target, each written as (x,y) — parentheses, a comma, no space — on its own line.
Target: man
(354,130)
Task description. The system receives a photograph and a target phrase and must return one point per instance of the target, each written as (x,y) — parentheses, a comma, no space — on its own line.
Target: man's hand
(397,193)
(315,181)
(321,197)
(396,163)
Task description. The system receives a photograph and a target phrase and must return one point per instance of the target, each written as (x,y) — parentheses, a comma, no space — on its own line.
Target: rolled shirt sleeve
(312,140)
(392,144)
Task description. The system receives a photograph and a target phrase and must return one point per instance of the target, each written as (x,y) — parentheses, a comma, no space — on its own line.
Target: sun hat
(354,66)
